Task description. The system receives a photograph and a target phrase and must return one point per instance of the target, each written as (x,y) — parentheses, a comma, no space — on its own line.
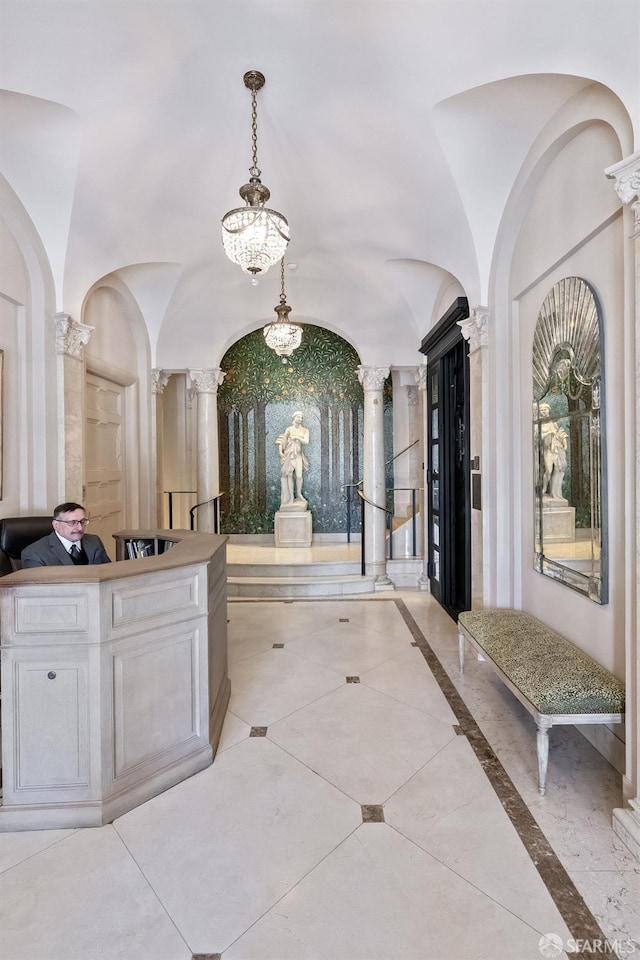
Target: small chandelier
(283,336)
(253,236)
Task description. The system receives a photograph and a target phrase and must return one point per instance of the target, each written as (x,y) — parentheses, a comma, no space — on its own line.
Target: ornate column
(421,381)
(206,383)
(375,548)
(626,821)
(71,338)
(159,380)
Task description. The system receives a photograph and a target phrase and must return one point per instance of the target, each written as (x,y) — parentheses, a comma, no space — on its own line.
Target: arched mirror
(569,462)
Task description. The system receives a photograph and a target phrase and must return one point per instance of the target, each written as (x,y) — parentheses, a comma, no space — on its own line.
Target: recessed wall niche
(257,400)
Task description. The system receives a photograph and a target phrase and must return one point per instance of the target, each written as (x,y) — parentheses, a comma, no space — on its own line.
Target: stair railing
(216,512)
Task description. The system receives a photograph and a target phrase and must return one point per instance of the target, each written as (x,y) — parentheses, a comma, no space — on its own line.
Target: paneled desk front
(114,680)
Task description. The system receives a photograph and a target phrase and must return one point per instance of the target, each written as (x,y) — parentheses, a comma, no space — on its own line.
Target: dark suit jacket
(50,552)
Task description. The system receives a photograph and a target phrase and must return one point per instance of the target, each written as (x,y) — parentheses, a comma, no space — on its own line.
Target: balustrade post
(206,383)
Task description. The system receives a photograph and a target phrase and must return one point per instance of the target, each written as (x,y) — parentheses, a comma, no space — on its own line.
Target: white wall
(27,337)
(574,228)
(13,296)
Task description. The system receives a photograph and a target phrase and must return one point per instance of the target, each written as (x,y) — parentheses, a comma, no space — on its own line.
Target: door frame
(448,360)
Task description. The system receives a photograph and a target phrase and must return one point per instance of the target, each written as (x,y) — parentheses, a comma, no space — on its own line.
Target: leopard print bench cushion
(553,674)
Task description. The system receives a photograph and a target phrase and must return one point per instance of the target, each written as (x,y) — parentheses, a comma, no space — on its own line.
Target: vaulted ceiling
(390,135)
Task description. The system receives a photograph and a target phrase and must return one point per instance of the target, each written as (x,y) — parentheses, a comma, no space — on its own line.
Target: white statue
(554,455)
(292,461)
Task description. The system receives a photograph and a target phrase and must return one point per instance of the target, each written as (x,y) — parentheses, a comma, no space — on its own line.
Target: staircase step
(320,568)
(259,586)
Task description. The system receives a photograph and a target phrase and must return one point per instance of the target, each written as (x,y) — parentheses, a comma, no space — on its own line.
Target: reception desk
(114,680)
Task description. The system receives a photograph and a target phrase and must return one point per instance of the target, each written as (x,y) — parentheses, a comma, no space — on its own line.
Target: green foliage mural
(257,401)
(322,370)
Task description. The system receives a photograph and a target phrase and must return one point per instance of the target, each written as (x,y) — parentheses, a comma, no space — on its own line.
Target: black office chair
(16,533)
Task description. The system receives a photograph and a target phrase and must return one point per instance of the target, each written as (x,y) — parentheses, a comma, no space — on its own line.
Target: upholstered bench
(552,678)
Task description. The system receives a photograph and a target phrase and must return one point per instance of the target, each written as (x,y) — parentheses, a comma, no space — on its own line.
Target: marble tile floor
(366,803)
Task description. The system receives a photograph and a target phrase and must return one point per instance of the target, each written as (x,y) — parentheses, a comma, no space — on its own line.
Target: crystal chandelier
(254,236)
(283,336)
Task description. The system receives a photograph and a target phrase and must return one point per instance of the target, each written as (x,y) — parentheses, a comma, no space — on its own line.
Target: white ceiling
(389,133)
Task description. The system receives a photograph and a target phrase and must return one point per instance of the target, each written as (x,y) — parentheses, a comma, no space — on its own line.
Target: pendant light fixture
(254,236)
(283,336)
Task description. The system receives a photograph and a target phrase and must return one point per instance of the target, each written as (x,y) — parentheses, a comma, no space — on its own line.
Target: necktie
(78,554)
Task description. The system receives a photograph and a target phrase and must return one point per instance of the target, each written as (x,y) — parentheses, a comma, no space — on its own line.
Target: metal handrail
(389,515)
(372,504)
(400,452)
(216,513)
(343,486)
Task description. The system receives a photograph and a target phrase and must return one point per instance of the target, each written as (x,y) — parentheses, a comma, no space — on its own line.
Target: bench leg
(543,755)
(461,650)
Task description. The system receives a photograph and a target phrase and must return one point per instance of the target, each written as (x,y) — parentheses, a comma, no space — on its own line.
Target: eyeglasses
(73,523)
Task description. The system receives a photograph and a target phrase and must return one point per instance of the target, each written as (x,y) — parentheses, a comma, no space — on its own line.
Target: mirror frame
(568,372)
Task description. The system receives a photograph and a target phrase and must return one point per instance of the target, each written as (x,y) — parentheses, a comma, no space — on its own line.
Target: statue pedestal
(559,521)
(292,526)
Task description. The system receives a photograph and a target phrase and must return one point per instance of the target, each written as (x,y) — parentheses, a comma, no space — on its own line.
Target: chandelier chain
(283,298)
(254,134)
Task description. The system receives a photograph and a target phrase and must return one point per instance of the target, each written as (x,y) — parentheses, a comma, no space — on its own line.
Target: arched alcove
(257,401)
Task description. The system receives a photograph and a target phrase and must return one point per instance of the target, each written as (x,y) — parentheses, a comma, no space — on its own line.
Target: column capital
(626,177)
(207,381)
(420,376)
(159,380)
(475,328)
(71,336)
(372,378)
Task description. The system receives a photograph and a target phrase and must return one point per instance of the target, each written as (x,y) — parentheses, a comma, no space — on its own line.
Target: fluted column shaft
(206,383)
(372,380)
(159,380)
(71,338)
(626,821)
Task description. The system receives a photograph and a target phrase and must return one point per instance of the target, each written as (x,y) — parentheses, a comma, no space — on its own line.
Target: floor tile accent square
(353,679)
(372,813)
(343,619)
(457,729)
(413,643)
(278,646)
(207,956)
(258,732)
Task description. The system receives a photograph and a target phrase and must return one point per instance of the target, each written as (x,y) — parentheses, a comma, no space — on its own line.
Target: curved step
(297,586)
(318,568)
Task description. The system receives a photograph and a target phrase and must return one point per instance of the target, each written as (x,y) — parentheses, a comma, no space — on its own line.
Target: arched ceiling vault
(388,136)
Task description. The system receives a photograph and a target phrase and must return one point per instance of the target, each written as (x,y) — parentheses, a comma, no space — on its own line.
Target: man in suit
(68,544)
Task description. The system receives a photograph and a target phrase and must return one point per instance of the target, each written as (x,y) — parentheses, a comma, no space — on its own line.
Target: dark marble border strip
(565,895)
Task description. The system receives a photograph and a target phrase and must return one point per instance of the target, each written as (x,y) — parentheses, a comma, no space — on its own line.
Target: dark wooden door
(448,464)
